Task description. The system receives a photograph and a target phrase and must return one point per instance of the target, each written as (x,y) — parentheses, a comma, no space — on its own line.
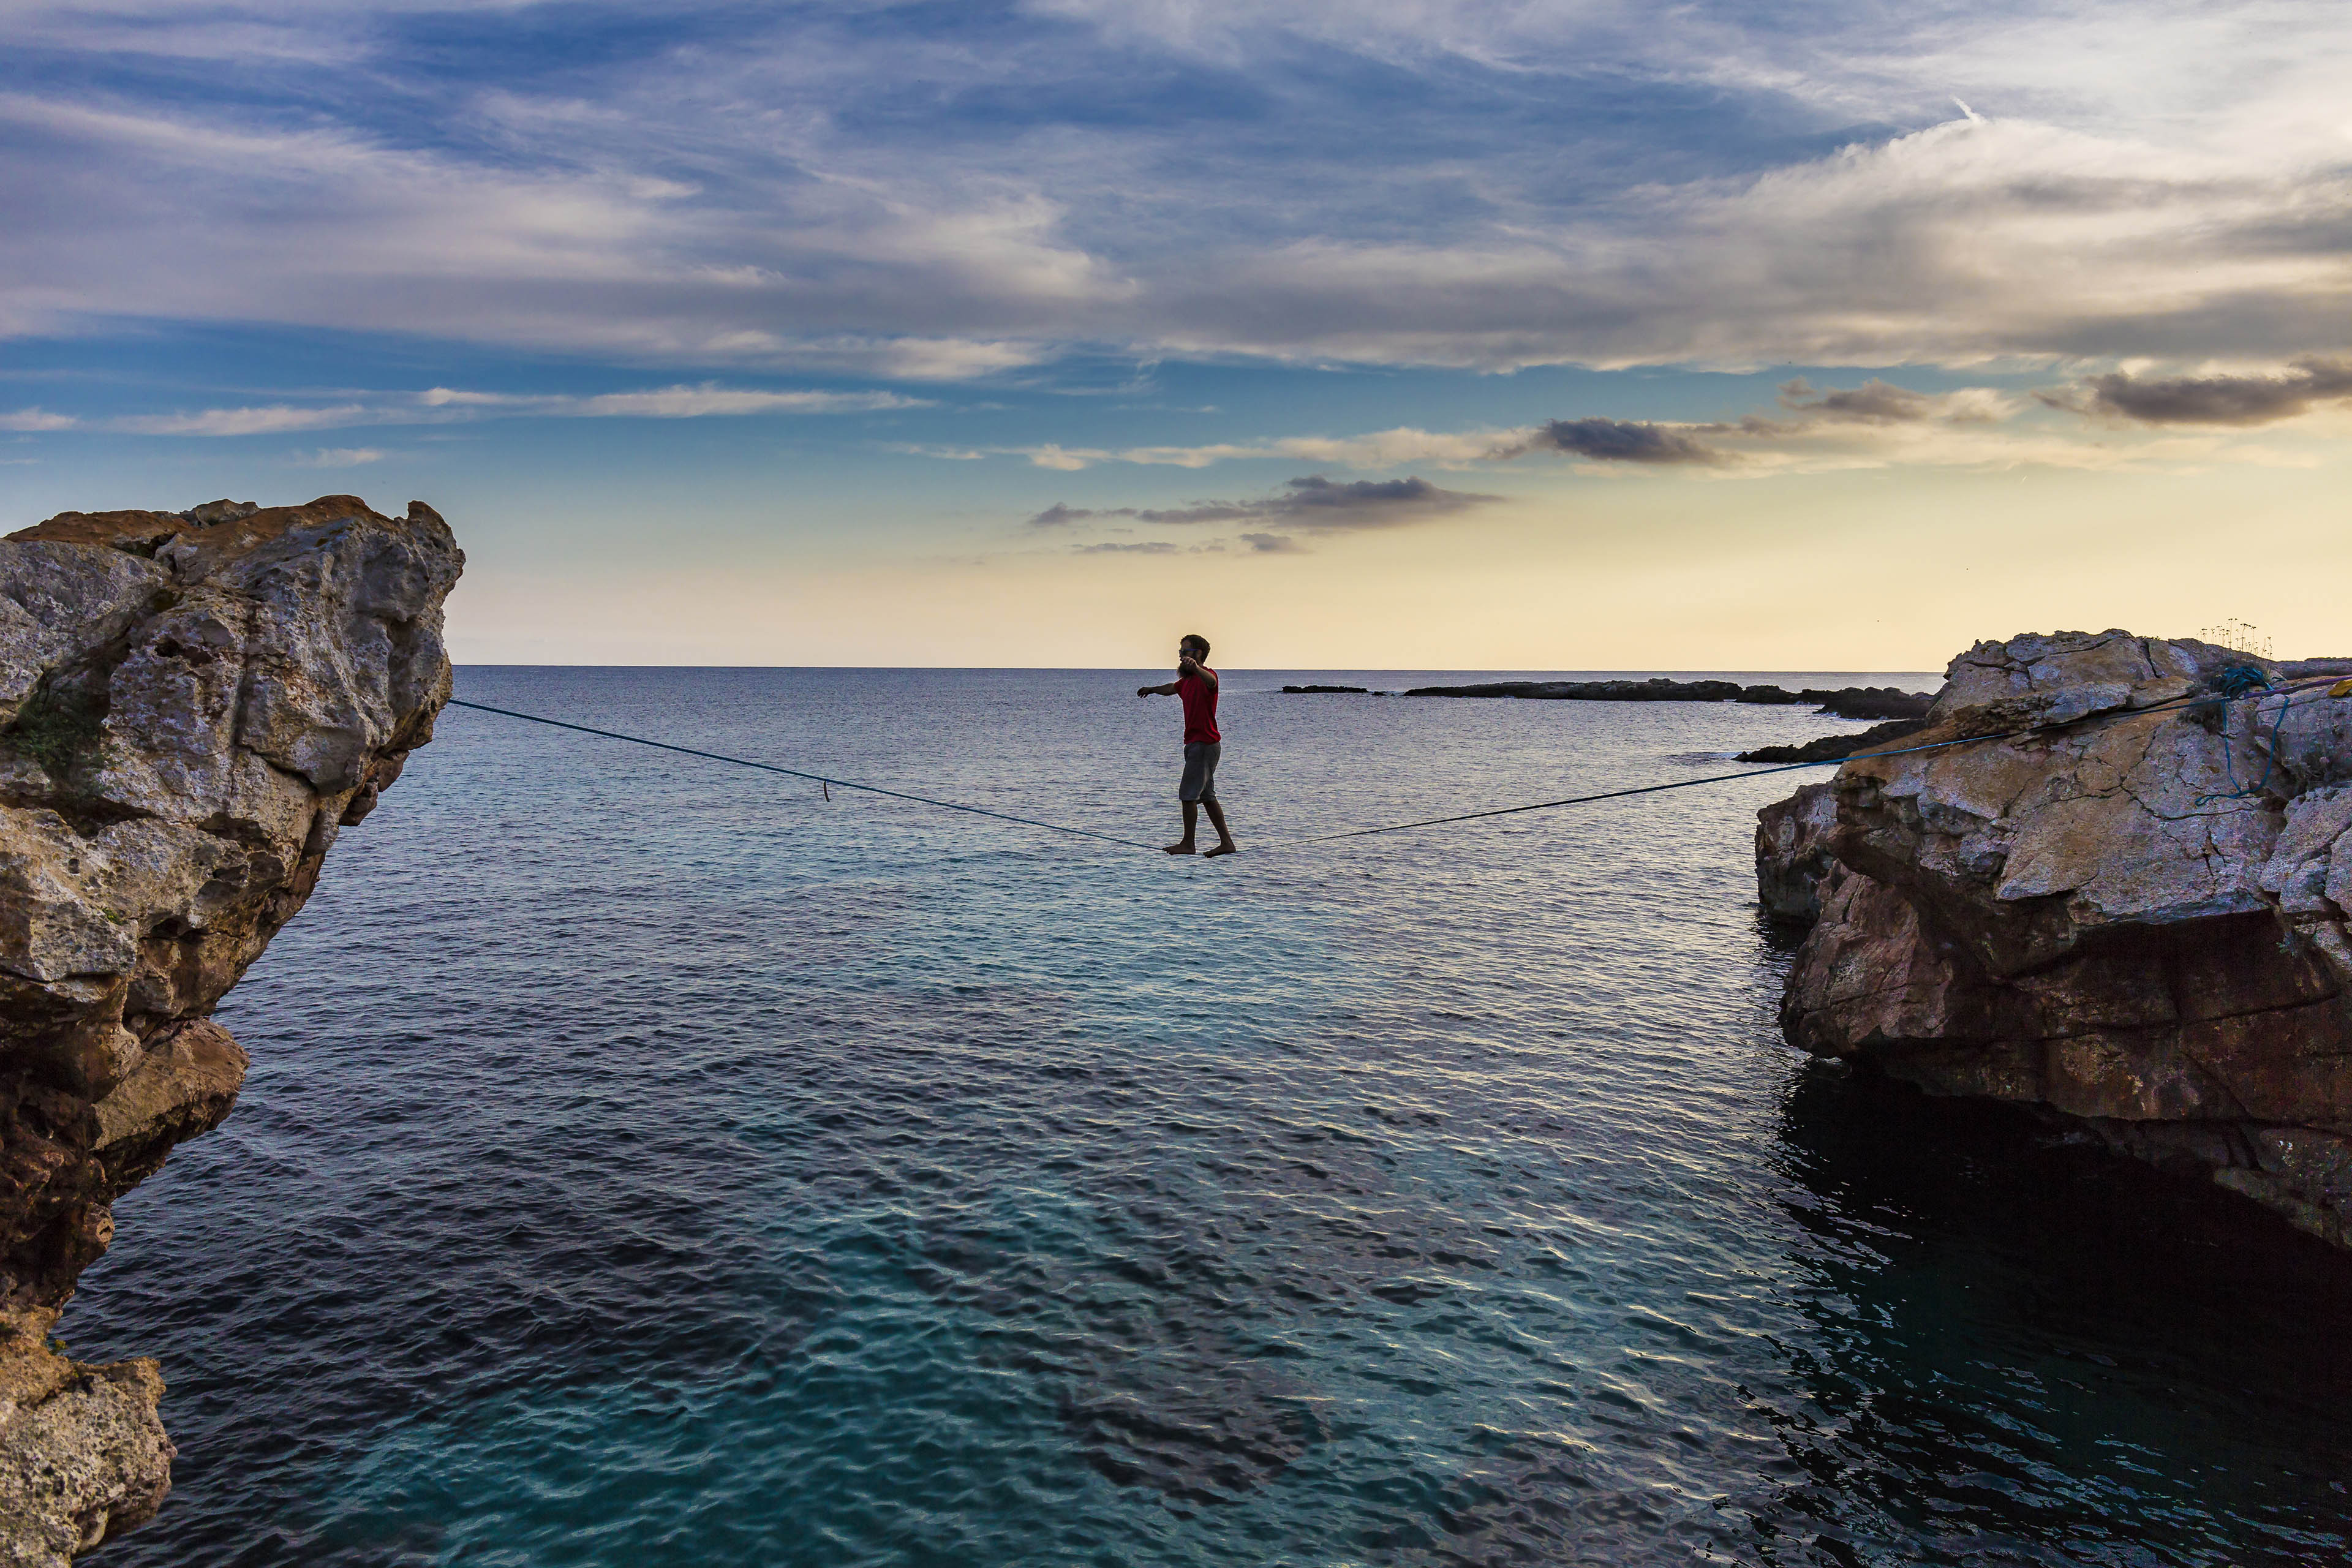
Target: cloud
(1381,449)
(1205,512)
(1314,503)
(213,34)
(442,404)
(673,403)
(2211,399)
(917,359)
(1155,547)
(542,233)
(339,457)
(1273,545)
(1327,504)
(274,419)
(1844,422)
(1616,441)
(1809,429)
(1875,402)
(779,186)
(1816,413)
(30,419)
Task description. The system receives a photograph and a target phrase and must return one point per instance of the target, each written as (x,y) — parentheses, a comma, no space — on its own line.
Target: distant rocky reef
(2135,920)
(1846,702)
(193,705)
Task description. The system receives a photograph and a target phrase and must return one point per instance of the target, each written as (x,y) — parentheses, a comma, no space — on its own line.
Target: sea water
(647,1162)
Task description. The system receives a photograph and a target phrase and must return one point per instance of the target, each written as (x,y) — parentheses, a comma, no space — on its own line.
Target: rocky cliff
(2135,916)
(193,705)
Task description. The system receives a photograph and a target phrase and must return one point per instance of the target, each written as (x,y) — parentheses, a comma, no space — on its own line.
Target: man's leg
(1225,844)
(1191,824)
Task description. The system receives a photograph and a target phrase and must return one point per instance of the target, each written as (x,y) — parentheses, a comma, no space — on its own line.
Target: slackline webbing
(2172,704)
(813,778)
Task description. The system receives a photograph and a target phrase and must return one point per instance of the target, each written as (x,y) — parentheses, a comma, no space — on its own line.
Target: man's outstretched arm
(1166,690)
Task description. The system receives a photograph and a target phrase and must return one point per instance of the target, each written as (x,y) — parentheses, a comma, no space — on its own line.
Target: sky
(1521,334)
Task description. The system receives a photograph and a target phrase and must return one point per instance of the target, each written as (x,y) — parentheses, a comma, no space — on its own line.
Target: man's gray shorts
(1199,772)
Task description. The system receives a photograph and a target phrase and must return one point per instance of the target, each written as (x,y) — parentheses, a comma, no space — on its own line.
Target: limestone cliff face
(2137,919)
(191,706)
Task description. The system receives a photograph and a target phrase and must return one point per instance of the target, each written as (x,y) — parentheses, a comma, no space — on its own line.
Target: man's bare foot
(1227,848)
(1184,849)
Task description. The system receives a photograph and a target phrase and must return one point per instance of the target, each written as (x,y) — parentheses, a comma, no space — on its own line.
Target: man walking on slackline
(1196,684)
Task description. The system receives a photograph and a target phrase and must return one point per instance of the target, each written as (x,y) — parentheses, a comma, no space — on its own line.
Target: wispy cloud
(35,419)
(340,456)
(441,405)
(273,419)
(1381,449)
(672,402)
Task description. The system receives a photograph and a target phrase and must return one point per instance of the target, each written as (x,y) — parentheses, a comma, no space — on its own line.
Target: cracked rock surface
(2138,920)
(193,705)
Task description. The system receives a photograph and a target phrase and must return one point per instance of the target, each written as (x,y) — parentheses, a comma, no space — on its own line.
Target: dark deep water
(649,1162)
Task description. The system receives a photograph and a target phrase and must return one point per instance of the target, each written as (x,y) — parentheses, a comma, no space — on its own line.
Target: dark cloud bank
(1616,441)
(1875,402)
(1314,504)
(2210,399)
(1604,440)
(2177,400)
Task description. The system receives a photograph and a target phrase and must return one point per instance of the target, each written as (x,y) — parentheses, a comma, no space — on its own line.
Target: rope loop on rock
(2239,678)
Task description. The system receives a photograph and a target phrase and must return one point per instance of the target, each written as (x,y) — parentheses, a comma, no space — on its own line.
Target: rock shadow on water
(2026,1351)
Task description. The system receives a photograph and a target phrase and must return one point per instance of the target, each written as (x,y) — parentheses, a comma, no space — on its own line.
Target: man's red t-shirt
(1200,700)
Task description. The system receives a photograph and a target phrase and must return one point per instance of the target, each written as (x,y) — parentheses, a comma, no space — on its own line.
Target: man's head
(1194,645)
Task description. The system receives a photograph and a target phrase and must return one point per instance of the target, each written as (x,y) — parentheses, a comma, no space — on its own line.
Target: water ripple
(649,1162)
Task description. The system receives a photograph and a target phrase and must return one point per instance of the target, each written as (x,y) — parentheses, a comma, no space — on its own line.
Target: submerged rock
(2136,920)
(193,705)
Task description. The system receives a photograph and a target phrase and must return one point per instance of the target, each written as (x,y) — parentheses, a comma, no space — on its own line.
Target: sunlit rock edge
(2136,922)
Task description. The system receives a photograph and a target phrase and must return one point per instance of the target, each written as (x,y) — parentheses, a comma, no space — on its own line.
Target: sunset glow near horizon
(1393,334)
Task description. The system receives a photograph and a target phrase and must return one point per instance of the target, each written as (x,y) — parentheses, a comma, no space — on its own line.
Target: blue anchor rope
(2239,680)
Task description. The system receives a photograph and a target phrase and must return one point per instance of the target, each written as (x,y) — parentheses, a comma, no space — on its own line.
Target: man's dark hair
(1197,640)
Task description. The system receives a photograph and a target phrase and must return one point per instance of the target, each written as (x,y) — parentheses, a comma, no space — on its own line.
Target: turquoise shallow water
(651,1163)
